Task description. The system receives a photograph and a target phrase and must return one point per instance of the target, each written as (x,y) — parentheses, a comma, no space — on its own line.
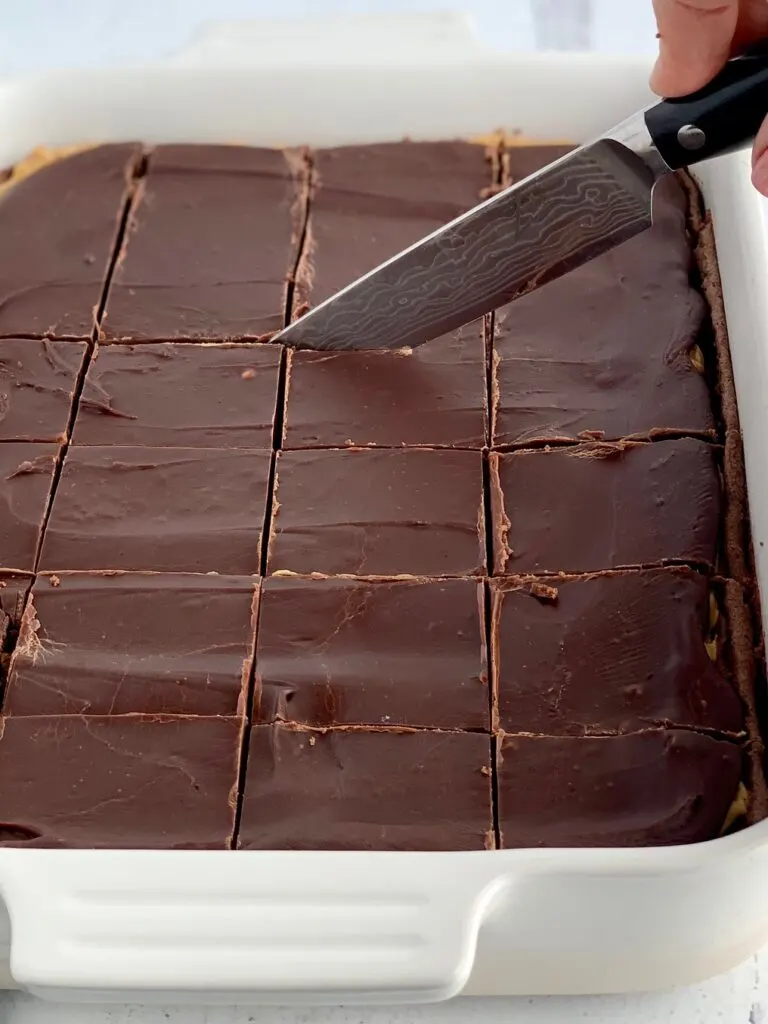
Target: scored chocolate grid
(135,173)
(276,438)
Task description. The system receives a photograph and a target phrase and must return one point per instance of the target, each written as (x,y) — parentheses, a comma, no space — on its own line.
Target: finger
(760,160)
(695,39)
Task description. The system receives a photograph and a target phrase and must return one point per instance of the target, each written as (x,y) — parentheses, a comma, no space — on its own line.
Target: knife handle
(723,116)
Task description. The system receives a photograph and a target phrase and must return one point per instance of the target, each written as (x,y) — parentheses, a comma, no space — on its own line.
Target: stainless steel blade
(568,213)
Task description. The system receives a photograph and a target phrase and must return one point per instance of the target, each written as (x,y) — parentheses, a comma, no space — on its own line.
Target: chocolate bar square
(58,228)
(378,513)
(615,652)
(131,643)
(610,350)
(210,247)
(599,506)
(195,396)
(119,782)
(26,478)
(354,652)
(38,381)
(434,395)
(361,790)
(164,509)
(654,788)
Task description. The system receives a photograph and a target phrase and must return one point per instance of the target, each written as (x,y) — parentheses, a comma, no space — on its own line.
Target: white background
(76,33)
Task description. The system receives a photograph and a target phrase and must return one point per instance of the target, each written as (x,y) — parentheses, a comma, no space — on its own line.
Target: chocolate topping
(358,790)
(167,509)
(130,781)
(37,384)
(347,652)
(115,644)
(592,507)
(58,227)
(610,653)
(608,350)
(370,202)
(653,788)
(354,678)
(198,396)
(210,247)
(433,396)
(378,513)
(26,476)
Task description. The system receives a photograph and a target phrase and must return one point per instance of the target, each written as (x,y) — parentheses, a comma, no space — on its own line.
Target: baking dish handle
(272,927)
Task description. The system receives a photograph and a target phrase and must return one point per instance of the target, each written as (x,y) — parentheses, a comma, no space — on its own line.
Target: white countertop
(88,32)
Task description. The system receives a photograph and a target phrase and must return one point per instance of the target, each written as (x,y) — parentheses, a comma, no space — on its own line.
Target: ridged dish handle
(269,926)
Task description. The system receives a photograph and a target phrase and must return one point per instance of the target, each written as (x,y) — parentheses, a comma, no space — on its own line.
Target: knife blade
(578,207)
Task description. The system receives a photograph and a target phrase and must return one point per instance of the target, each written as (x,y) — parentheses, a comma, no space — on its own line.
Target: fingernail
(760,174)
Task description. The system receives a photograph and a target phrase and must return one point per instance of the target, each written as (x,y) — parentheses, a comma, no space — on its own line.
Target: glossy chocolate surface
(132,643)
(195,396)
(613,653)
(608,351)
(210,246)
(125,782)
(357,790)
(58,229)
(434,395)
(593,507)
(38,380)
(164,509)
(349,652)
(378,513)
(26,477)
(654,788)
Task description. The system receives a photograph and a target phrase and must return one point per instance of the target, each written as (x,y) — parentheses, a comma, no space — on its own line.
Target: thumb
(695,38)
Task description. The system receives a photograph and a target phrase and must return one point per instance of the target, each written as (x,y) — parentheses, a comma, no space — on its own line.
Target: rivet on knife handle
(723,116)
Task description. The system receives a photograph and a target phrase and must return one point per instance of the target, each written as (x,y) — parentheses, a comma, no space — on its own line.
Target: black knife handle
(723,116)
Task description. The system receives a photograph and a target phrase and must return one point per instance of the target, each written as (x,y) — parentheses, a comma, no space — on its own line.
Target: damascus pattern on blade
(548,224)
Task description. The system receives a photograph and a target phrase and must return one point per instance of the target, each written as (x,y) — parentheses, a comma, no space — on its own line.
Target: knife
(541,227)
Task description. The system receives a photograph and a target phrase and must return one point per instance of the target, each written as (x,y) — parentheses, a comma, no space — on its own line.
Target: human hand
(696,38)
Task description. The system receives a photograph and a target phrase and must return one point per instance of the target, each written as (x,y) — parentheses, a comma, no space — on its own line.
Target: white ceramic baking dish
(366,927)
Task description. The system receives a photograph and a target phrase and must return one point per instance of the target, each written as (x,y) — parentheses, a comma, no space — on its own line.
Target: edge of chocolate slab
(736,543)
